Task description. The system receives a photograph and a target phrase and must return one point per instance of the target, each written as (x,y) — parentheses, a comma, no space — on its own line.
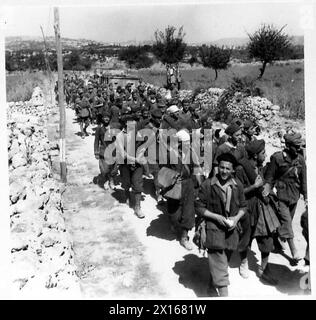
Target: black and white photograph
(157,150)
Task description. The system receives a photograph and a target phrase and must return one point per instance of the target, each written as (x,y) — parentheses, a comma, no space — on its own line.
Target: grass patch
(281,84)
(20,86)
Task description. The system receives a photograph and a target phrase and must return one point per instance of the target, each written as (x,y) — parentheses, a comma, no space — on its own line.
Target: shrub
(298,70)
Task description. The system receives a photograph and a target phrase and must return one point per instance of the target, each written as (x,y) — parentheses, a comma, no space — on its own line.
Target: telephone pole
(62,111)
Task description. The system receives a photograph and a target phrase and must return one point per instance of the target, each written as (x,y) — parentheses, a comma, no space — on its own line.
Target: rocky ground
(78,240)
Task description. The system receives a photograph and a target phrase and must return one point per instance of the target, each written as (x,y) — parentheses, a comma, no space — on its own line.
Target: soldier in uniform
(287,173)
(101,142)
(151,167)
(221,202)
(131,169)
(99,103)
(91,98)
(249,131)
(181,208)
(232,143)
(262,210)
(234,146)
(83,114)
(185,113)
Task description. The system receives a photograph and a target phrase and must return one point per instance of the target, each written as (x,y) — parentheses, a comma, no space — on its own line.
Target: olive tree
(169,47)
(268,44)
(214,57)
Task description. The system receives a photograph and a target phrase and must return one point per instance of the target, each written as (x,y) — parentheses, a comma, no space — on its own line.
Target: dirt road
(121,256)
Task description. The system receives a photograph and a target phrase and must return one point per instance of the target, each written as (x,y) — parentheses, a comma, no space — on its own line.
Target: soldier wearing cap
(99,103)
(151,163)
(161,104)
(84,114)
(234,146)
(181,207)
(100,144)
(116,109)
(249,130)
(152,101)
(171,118)
(262,209)
(221,202)
(233,143)
(195,110)
(131,169)
(91,98)
(287,173)
(185,113)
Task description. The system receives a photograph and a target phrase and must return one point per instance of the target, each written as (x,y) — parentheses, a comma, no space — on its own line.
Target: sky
(119,23)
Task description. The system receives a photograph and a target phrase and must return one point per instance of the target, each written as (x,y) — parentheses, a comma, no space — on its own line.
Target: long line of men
(240,200)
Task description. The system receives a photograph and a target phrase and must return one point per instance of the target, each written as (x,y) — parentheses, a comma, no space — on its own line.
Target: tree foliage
(169,48)
(136,56)
(76,61)
(214,57)
(268,44)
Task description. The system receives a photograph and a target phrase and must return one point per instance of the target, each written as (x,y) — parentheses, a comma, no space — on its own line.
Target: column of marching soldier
(238,201)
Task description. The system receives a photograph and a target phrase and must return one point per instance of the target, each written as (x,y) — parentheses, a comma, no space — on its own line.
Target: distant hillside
(36,43)
(240,42)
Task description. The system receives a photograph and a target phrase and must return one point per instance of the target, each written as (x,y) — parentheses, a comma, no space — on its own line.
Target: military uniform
(101,142)
(289,178)
(220,242)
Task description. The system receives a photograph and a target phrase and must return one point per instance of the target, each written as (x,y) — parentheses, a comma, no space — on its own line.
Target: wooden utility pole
(62,110)
(48,67)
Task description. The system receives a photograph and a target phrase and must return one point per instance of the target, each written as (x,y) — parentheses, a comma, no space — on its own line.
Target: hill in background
(36,43)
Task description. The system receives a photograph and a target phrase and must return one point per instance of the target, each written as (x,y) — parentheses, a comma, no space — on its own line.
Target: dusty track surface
(121,256)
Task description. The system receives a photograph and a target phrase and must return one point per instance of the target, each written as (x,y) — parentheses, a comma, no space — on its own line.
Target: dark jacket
(210,198)
(169,123)
(289,184)
(100,143)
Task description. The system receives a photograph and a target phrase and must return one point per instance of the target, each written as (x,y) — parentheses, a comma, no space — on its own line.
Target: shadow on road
(161,227)
(290,281)
(193,273)
(149,187)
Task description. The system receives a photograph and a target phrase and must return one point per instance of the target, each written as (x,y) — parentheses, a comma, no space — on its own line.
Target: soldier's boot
(294,252)
(243,268)
(82,131)
(223,291)
(184,240)
(137,210)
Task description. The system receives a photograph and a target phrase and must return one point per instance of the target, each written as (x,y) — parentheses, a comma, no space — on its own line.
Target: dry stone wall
(41,248)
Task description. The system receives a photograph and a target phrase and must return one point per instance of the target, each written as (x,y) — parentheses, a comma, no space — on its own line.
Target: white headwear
(173,109)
